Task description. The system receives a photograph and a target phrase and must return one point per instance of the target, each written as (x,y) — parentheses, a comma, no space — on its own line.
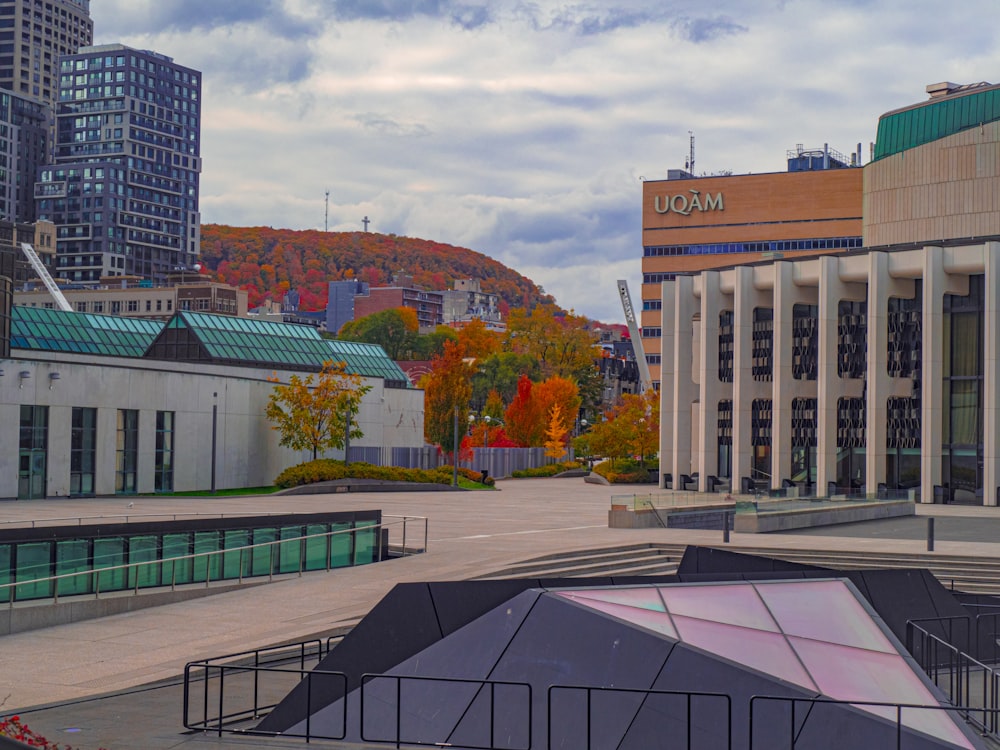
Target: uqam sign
(686,204)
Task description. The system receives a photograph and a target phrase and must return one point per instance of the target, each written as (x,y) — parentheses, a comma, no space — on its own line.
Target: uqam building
(846,369)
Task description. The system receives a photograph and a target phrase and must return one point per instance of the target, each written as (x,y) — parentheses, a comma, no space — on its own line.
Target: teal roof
(42,329)
(914,126)
(244,341)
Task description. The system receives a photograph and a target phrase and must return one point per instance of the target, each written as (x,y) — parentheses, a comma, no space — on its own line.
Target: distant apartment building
(357,299)
(34,34)
(24,130)
(41,236)
(468,302)
(137,298)
(123,190)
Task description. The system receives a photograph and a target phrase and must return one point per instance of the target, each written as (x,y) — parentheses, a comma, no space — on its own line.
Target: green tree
(500,372)
(315,412)
(430,345)
(395,330)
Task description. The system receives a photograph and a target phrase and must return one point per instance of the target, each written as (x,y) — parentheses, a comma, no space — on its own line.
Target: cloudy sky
(523,129)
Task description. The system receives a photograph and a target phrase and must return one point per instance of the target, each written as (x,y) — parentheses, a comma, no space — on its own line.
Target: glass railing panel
(261,556)
(108,553)
(364,542)
(179,571)
(341,546)
(231,561)
(206,567)
(316,548)
(34,560)
(5,561)
(289,553)
(73,556)
(143,549)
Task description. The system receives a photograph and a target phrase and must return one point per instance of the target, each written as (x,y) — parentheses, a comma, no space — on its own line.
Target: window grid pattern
(902,423)
(804,422)
(765,246)
(852,339)
(83,452)
(905,337)
(763,344)
(163,476)
(726,344)
(805,342)
(41,329)
(127,452)
(850,423)
(760,421)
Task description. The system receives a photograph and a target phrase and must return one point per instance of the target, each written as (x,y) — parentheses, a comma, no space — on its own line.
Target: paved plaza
(469,534)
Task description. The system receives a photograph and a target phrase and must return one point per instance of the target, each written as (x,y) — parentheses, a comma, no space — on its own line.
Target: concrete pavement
(470,533)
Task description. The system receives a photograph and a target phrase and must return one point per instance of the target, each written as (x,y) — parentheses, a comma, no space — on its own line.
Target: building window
(905,336)
(163,480)
(763,344)
(760,439)
(851,438)
(804,441)
(852,339)
(726,346)
(83,452)
(902,442)
(724,429)
(127,451)
(32,460)
(805,342)
(962,449)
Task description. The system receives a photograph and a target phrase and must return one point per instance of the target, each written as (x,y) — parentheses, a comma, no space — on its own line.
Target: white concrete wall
(247,449)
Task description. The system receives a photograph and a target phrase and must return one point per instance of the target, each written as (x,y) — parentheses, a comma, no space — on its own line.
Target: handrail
(644,693)
(127,568)
(754,700)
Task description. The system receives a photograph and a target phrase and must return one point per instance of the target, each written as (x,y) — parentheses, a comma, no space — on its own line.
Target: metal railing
(654,501)
(474,686)
(794,729)
(643,696)
(211,674)
(244,556)
(127,517)
(972,686)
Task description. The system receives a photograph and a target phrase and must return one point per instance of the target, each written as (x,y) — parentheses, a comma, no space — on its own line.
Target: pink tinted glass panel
(849,674)
(757,649)
(824,610)
(655,621)
(645,597)
(736,604)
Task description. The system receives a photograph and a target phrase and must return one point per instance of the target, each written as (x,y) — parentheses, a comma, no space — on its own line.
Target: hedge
(328,469)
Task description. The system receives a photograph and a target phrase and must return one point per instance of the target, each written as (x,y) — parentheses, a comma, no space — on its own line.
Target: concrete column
(932,371)
(685,390)
(710,389)
(991,381)
(783,385)
(57,459)
(744,388)
(146,452)
(828,384)
(107,440)
(878,376)
(667,403)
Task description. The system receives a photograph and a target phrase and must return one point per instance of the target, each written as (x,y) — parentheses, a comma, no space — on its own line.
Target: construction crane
(645,380)
(43,273)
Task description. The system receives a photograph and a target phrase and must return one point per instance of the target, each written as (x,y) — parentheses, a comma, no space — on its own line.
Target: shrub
(328,469)
(624,472)
(549,470)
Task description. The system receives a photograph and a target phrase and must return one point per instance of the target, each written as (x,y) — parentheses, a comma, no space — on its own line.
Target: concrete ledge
(828,514)
(32,616)
(367,485)
(701,516)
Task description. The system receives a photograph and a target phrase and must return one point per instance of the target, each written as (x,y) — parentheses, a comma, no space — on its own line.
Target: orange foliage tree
(555,434)
(315,412)
(447,387)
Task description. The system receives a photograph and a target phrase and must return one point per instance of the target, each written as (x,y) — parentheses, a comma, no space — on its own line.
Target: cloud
(464,15)
(128,17)
(699,30)
(384,125)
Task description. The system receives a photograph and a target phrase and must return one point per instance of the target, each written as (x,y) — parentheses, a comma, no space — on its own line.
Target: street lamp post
(454,455)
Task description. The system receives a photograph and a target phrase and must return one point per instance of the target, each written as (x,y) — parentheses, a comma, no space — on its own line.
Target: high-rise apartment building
(24,129)
(34,34)
(123,190)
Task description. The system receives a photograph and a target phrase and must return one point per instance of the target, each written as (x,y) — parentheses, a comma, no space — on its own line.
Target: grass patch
(217,493)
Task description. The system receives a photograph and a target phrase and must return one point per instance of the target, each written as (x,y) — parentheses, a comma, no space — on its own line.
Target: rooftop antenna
(326,218)
(689,164)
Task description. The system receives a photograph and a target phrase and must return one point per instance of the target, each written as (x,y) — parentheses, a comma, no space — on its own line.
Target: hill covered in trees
(268,262)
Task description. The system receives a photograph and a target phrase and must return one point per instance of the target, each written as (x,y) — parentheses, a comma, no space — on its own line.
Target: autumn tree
(630,428)
(316,412)
(561,392)
(478,340)
(395,330)
(525,422)
(500,373)
(562,343)
(555,434)
(446,387)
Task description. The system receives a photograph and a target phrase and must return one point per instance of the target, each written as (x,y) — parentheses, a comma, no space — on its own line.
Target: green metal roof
(42,329)
(914,126)
(243,341)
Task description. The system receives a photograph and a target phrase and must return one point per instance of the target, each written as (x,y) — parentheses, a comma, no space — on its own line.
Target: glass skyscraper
(123,190)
